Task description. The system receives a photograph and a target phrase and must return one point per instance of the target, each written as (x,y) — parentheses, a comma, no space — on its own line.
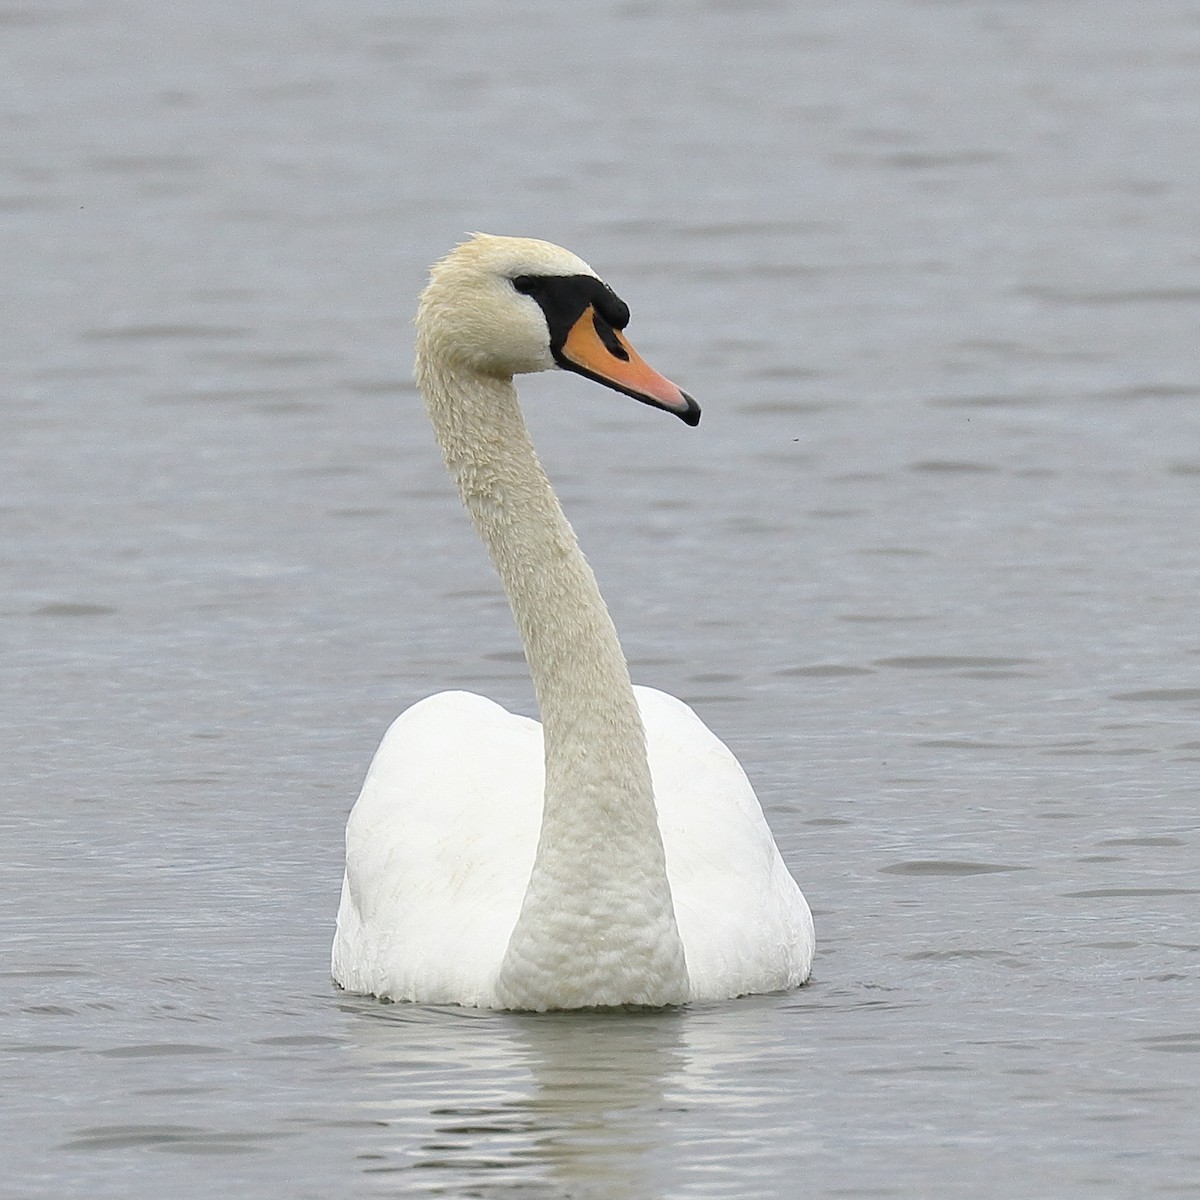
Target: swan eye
(523,284)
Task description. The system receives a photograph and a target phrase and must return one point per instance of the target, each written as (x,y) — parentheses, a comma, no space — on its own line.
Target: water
(929,565)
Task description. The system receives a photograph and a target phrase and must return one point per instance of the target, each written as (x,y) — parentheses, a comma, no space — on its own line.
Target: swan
(614,854)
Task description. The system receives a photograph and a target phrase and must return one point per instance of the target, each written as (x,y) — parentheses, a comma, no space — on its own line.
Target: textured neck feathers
(597,926)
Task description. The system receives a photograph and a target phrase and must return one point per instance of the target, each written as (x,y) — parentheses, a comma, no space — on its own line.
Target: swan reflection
(574,1104)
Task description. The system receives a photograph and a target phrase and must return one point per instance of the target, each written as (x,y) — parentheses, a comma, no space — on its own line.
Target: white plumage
(484,865)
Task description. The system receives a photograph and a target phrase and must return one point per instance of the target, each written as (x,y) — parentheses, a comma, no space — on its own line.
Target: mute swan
(615,854)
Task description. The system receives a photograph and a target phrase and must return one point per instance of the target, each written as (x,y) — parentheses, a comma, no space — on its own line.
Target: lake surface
(930,565)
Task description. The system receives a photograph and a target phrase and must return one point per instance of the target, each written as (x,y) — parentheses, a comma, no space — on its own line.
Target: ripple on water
(66,608)
(947,466)
(1129,893)
(1088,299)
(987,400)
(299,1041)
(160,1050)
(1002,957)
(877,618)
(821,671)
(1143,841)
(1177,1043)
(162,332)
(262,399)
(938,866)
(951,662)
(42,1048)
(185,1139)
(51,972)
(966,744)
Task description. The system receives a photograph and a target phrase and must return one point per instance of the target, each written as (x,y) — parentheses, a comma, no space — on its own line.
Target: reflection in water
(587,1103)
(568,1103)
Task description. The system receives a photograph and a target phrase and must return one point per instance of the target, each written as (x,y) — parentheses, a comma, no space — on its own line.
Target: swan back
(439,849)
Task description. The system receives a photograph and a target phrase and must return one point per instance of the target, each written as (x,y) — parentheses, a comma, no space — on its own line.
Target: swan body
(614,853)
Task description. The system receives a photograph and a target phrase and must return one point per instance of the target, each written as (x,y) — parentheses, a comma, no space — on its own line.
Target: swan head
(504,306)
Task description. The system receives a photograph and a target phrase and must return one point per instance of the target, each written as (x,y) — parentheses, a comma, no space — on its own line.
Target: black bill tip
(691,414)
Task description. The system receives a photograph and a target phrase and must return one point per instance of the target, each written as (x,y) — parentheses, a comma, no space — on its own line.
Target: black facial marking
(565,298)
(604,331)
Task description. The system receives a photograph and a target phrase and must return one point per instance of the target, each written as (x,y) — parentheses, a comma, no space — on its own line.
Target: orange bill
(595,349)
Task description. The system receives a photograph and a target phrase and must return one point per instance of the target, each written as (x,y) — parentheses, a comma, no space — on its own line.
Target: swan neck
(599,878)
(575,658)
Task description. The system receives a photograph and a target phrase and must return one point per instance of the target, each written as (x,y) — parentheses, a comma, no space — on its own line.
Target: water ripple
(947,867)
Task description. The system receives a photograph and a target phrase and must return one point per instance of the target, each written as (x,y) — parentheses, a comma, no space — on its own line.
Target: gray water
(930,565)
